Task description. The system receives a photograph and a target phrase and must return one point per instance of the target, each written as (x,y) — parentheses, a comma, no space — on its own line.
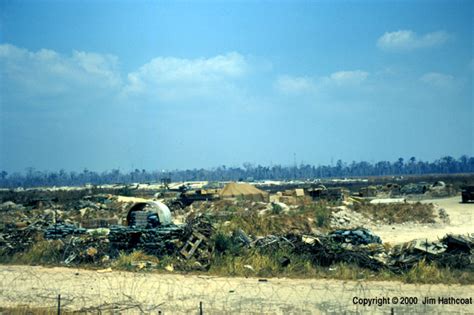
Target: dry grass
(424,272)
(397,212)
(255,263)
(42,252)
(131,261)
(26,310)
(303,219)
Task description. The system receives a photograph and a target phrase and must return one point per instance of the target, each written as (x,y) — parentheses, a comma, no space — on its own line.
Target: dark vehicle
(467,194)
(323,193)
(187,197)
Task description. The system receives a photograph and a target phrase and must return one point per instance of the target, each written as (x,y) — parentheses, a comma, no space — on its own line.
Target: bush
(321,212)
(276,208)
(225,244)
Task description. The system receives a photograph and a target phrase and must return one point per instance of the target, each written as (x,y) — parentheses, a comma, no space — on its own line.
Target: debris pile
(87,248)
(20,228)
(324,250)
(343,217)
(190,240)
(440,189)
(15,239)
(88,232)
(197,234)
(358,236)
(59,231)
(364,249)
(10,205)
(410,189)
(453,251)
(157,241)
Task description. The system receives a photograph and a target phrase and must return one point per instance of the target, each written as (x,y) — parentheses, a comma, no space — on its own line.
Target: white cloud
(175,78)
(407,40)
(291,84)
(348,77)
(438,79)
(48,73)
(84,76)
(104,66)
(300,84)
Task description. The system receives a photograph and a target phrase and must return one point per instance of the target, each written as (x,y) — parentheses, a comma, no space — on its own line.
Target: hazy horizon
(183,85)
(246,165)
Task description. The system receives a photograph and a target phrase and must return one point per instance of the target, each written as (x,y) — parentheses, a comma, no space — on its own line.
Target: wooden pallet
(192,244)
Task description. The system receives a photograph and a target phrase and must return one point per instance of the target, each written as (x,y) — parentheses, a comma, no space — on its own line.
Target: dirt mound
(244,190)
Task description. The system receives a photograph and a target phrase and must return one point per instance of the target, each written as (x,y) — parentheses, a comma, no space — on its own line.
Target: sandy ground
(181,294)
(461,217)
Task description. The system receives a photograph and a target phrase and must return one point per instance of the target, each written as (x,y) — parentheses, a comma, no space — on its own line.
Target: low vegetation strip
(270,257)
(397,212)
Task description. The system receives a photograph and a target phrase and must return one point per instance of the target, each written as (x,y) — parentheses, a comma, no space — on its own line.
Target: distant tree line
(35,178)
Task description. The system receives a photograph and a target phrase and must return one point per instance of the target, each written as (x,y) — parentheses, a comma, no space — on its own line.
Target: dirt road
(461,217)
(135,293)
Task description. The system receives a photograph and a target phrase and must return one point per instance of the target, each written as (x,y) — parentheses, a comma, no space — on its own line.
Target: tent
(243,190)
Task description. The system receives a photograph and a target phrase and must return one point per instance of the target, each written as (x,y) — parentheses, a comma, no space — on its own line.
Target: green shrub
(276,208)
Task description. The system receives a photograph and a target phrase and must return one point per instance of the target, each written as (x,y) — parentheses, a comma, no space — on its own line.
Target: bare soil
(461,216)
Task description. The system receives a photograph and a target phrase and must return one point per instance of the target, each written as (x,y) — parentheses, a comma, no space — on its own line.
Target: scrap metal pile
(364,249)
(454,251)
(325,250)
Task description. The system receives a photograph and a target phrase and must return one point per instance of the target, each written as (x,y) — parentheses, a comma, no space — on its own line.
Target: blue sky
(165,85)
